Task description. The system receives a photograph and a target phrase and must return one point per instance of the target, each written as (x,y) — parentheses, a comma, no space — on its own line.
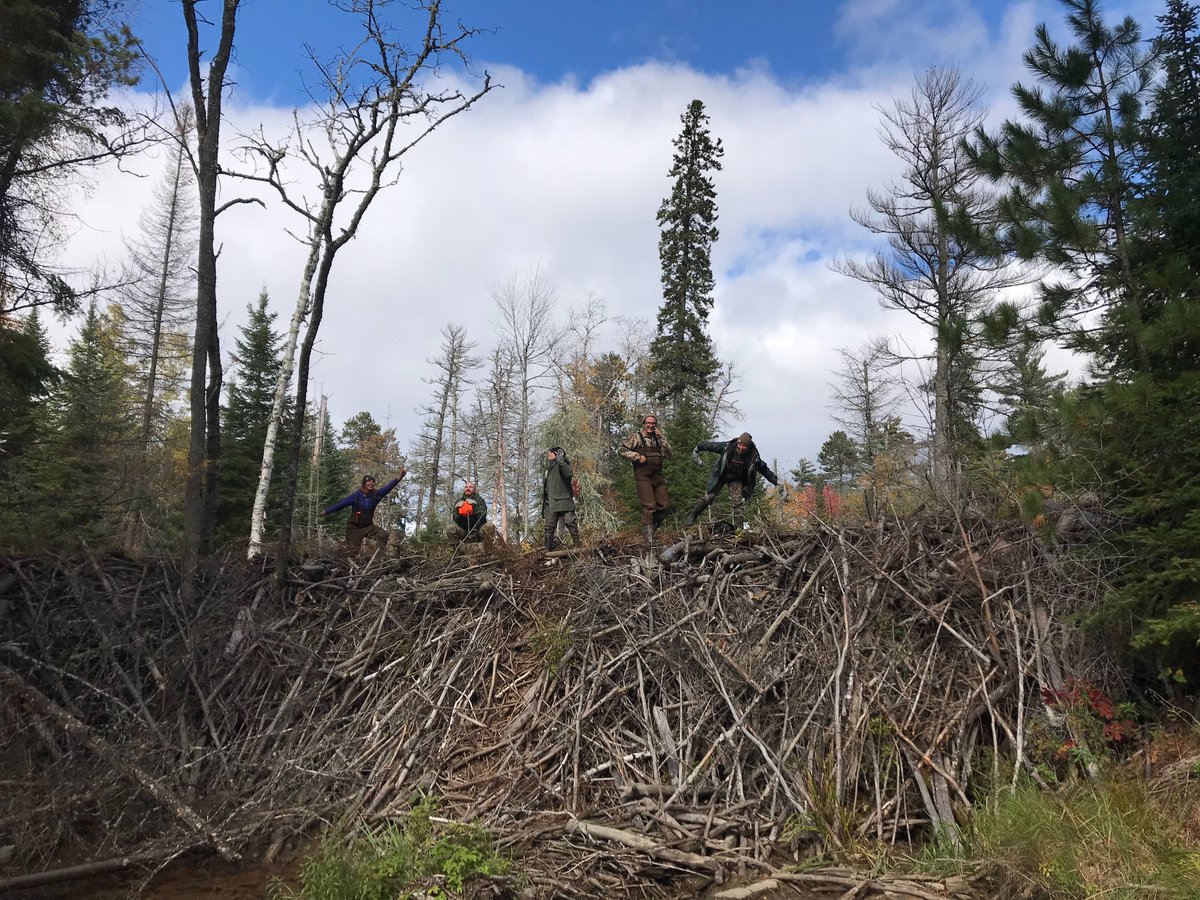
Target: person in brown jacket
(646,449)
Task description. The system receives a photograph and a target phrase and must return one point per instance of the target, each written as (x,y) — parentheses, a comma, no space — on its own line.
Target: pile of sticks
(622,723)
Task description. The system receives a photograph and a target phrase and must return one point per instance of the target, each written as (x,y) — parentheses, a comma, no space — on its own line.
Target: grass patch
(1108,839)
(396,861)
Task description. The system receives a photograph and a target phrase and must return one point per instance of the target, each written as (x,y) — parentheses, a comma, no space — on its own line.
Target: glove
(696,458)
(784,493)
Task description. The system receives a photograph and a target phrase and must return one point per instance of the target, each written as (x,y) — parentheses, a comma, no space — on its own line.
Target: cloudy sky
(563,168)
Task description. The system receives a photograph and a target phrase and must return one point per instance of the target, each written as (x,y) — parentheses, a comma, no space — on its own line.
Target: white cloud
(568,178)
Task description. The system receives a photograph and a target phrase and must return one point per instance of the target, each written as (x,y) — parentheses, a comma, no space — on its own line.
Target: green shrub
(395,860)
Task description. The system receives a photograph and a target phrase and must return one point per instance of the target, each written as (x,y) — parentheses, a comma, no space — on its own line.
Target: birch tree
(349,152)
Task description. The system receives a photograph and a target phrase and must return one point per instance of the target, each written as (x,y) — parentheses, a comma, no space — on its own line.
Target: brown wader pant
(737,499)
(651,489)
(356,533)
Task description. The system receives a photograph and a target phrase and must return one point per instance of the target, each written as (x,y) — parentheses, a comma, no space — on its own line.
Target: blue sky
(562,172)
(549,39)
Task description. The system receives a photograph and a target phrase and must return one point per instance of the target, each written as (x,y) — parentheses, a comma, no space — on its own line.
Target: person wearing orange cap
(469,516)
(738,466)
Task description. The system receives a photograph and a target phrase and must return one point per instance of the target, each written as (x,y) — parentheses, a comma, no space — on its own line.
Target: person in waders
(738,467)
(646,449)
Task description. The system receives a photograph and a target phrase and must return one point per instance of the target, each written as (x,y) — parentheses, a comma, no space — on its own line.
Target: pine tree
(839,457)
(683,360)
(58,63)
(1141,426)
(1072,162)
(249,402)
(26,379)
(937,267)
(88,468)
(369,449)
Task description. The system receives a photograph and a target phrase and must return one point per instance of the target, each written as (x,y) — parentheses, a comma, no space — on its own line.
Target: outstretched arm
(388,489)
(341,504)
(766,472)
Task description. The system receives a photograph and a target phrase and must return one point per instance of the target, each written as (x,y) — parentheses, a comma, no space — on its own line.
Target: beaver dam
(620,724)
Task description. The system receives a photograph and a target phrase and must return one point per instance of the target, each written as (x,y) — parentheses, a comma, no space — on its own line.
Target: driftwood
(618,722)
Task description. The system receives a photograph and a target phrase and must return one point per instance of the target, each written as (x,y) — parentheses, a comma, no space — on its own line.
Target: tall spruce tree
(250,400)
(683,361)
(26,379)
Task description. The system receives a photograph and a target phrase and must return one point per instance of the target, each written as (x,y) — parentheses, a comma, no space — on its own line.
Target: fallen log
(90,869)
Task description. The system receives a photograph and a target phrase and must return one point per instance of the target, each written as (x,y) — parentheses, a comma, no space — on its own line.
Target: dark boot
(549,540)
(574,532)
(691,517)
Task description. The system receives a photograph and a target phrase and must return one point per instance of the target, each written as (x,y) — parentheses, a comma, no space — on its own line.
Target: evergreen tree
(1141,426)
(804,472)
(839,457)
(1072,162)
(249,400)
(938,267)
(683,361)
(87,467)
(369,449)
(26,379)
(58,64)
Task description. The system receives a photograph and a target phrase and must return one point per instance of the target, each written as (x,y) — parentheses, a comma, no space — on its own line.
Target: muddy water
(202,879)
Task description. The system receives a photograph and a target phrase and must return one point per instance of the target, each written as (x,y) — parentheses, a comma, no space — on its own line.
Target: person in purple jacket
(362,505)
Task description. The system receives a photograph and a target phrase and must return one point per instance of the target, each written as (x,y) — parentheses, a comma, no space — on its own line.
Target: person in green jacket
(737,466)
(558,496)
(468,517)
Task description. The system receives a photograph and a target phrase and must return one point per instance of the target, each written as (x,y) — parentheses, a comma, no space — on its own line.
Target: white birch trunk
(258,515)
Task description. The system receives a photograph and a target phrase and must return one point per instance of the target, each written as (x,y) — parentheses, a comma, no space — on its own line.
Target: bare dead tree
(865,400)
(454,364)
(204,448)
(526,327)
(351,151)
(490,427)
(933,269)
(158,277)
(723,403)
